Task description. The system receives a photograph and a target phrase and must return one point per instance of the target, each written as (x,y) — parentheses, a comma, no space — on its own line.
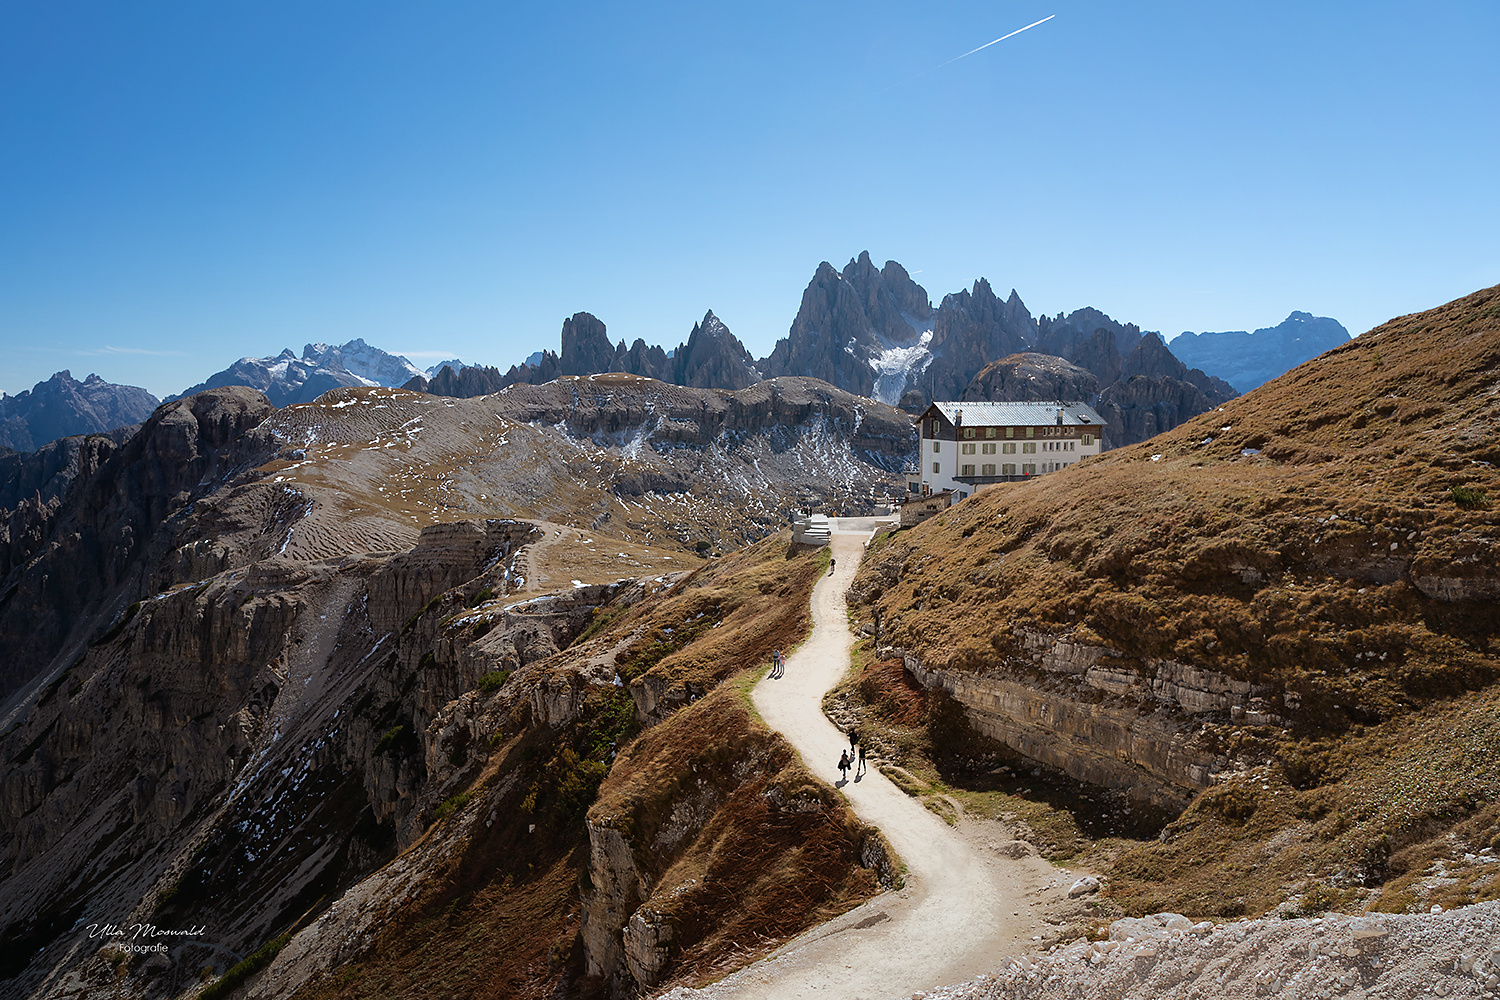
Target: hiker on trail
(843,766)
(860,769)
(853,739)
(831,564)
(778,664)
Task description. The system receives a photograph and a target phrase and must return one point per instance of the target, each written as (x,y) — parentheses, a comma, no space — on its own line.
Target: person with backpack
(843,767)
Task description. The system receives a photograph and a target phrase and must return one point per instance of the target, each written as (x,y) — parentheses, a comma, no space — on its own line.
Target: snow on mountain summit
(288,379)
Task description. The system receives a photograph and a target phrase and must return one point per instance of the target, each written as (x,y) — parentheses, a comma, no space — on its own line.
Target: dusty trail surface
(964,906)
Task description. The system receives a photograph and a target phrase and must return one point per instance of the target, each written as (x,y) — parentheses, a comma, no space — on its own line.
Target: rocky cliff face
(251,654)
(1151,357)
(853,326)
(1141,407)
(65,565)
(972,329)
(1247,360)
(872,333)
(220,752)
(713,358)
(62,406)
(1140,396)
(673,853)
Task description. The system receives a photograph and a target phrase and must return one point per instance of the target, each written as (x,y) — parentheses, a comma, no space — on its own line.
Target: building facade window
(937,446)
(1028,469)
(1088,439)
(989,469)
(968,449)
(1031,432)
(989,432)
(1010,449)
(988,449)
(967,470)
(1010,432)
(968,432)
(1029,447)
(937,467)
(1008,469)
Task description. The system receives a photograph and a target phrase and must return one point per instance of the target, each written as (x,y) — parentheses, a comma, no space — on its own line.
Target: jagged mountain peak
(62,406)
(287,378)
(711,324)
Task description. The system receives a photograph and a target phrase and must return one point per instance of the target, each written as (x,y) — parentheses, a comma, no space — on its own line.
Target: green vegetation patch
(1470,498)
(238,973)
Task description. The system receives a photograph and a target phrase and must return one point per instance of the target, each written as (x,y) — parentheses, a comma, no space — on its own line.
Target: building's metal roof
(1020,414)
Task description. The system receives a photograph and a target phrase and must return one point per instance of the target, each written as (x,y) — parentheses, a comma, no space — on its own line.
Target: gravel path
(964,906)
(970,916)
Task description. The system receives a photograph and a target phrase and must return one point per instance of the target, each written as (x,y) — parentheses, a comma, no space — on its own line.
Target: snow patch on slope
(896,366)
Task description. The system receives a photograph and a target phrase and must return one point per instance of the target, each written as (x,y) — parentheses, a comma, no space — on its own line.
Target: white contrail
(1002,38)
(981,48)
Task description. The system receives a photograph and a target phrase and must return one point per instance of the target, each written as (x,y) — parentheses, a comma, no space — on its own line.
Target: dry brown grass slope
(720,833)
(1322,558)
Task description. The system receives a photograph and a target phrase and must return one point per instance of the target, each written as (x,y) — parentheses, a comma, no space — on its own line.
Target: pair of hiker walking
(778,664)
(854,758)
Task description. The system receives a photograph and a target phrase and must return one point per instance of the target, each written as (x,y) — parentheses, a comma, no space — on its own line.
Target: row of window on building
(1010,432)
(1006,468)
(1009,447)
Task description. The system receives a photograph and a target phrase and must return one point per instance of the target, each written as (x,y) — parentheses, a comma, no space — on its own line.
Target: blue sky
(183,184)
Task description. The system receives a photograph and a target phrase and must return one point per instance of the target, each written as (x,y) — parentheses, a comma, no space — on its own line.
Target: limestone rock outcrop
(970,330)
(713,358)
(1031,378)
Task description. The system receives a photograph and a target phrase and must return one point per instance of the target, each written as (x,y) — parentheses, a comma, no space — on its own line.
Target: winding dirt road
(964,906)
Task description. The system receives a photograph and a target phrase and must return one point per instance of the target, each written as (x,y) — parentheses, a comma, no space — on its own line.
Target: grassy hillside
(1332,538)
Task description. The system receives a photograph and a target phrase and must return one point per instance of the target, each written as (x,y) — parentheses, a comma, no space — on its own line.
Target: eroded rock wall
(217,759)
(1101,717)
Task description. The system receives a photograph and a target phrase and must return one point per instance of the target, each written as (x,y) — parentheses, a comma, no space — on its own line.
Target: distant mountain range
(62,406)
(712,358)
(874,332)
(288,379)
(1247,360)
(866,330)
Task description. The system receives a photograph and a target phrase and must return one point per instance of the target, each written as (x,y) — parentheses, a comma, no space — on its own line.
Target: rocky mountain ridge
(874,332)
(711,358)
(1247,360)
(1149,391)
(62,407)
(287,379)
